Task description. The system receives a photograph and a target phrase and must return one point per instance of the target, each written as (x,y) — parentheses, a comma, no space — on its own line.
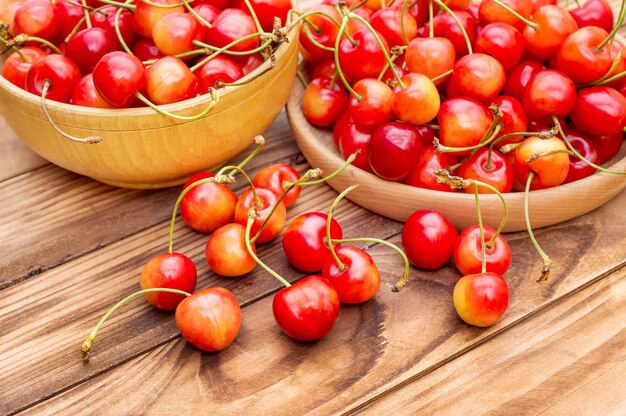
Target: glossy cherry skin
(174,33)
(594,13)
(118,76)
(226,252)
(463,122)
(15,69)
(60,71)
(393,150)
(549,93)
(145,16)
(268,200)
(579,58)
(607,146)
(431,57)
(169,80)
(105,19)
(419,102)
(351,138)
(550,170)
(145,50)
(231,25)
(85,94)
(428,239)
(499,173)
(430,161)
(579,169)
(303,241)
(209,319)
(468,252)
(555,24)
(501,41)
(375,106)
(208,206)
(364,60)
(481,299)
(266,10)
(388,22)
(172,271)
(37,18)
(88,46)
(69,15)
(323,103)
(514,118)
(276,177)
(218,68)
(599,111)
(490,12)
(323,69)
(445,26)
(307,310)
(251,62)
(326,34)
(359,281)
(209,13)
(7,15)
(518,77)
(540,3)
(420,12)
(479,76)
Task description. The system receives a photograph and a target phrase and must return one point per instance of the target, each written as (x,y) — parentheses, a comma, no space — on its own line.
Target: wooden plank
(567,360)
(17,158)
(373,347)
(67,215)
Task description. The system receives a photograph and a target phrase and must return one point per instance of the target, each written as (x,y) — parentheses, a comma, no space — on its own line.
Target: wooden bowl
(398,201)
(143,149)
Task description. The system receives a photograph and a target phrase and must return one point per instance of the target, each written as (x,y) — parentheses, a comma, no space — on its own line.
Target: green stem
(348,161)
(120,4)
(431,27)
(492,132)
(616,28)
(405,38)
(459,24)
(260,145)
(440,76)
(88,342)
(616,62)
(346,84)
(212,104)
(547,263)
(516,14)
(118,33)
(254,16)
(86,11)
(613,78)
(195,14)
(483,247)
(329,219)
(225,50)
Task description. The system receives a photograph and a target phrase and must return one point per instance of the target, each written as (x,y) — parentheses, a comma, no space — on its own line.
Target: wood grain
(567,360)
(17,158)
(373,347)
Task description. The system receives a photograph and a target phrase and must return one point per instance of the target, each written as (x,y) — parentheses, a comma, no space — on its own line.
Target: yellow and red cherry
(85,94)
(169,80)
(418,102)
(389,23)
(580,58)
(432,57)
(422,174)
(363,59)
(600,111)
(15,67)
(263,205)
(445,26)
(145,15)
(358,281)
(479,76)
(226,251)
(468,251)
(547,158)
(208,206)
(324,101)
(463,122)
(277,178)
(428,239)
(488,166)
(552,26)
(549,93)
(374,106)
(174,33)
(37,18)
(514,119)
(172,271)
(57,71)
(481,299)
(501,41)
(393,150)
(325,33)
(490,12)
(230,26)
(518,77)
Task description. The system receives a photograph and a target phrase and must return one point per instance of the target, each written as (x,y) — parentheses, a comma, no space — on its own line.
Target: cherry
(325,33)
(169,270)
(118,76)
(427,134)
(393,27)
(489,167)
(481,299)
(419,11)
(417,103)
(490,12)
(359,281)
(276,178)
(432,57)
(607,146)
(468,251)
(57,71)
(374,106)
(169,80)
(355,24)
(393,150)
(463,122)
(546,158)
(85,94)
(7,15)
(579,56)
(549,92)
(600,111)
(105,19)
(540,3)
(15,67)
(251,62)
(217,69)
(479,76)
(266,10)
(445,26)
(174,33)
(303,241)
(552,25)
(226,251)
(220,4)
(209,13)
(209,319)
(146,50)
(69,14)
(307,310)
(208,206)
(351,139)
(502,41)
(146,16)
(579,169)
(88,46)
(263,204)
(324,101)
(518,77)
(364,58)
(37,18)
(514,119)
(428,239)
(324,69)
(430,161)
(230,26)
(594,13)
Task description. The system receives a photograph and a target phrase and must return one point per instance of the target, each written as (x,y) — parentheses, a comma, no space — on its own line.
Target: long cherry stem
(348,161)
(195,14)
(23,38)
(259,141)
(212,104)
(609,74)
(344,24)
(226,48)
(431,27)
(616,28)
(489,136)
(459,24)
(86,11)
(329,219)
(483,246)
(118,33)
(88,342)
(516,14)
(547,263)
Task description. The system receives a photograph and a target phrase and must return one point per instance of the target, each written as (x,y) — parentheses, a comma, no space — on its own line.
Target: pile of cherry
(504,91)
(118,54)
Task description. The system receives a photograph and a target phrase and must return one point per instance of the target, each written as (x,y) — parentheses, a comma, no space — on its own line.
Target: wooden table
(72,247)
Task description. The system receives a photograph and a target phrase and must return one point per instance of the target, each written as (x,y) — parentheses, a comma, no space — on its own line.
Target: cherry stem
(194,52)
(405,276)
(88,342)
(195,14)
(546,134)
(578,155)
(346,84)
(483,248)
(329,219)
(86,11)
(259,141)
(394,56)
(405,38)
(431,27)
(348,161)
(302,17)
(82,21)
(212,104)
(536,156)
(89,139)
(220,84)
(302,79)
(307,33)
(547,263)
(251,217)
(118,33)
(509,148)
(616,62)
(440,76)
(254,16)
(22,38)
(125,5)
(312,173)
(492,134)
(616,28)
(225,50)
(161,6)
(458,22)
(506,7)
(609,80)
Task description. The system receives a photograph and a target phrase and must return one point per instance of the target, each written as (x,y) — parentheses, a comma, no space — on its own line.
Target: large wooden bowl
(398,201)
(143,149)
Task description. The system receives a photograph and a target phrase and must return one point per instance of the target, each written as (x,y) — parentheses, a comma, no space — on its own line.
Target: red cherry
(209,319)
(325,35)
(170,270)
(490,12)
(85,94)
(105,19)
(419,102)
(266,10)
(145,50)
(88,46)
(579,58)
(303,241)
(209,13)
(251,62)
(393,150)
(230,26)
(579,169)
(323,102)
(276,178)
(59,71)
(374,108)
(69,14)
(549,93)
(431,57)
(518,78)
(352,138)
(15,69)
(307,310)
(468,252)
(364,59)
(463,122)
(419,11)
(540,3)
(514,118)
(594,13)
(388,22)
(599,111)
(37,18)
(118,76)
(481,299)
(445,26)
(324,69)
(550,170)
(554,25)
(479,76)
(502,41)
(422,174)
(169,80)
(146,16)
(226,252)
(428,239)
(607,146)
(497,173)
(209,206)
(359,281)
(216,69)
(267,200)
(174,33)
(220,4)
